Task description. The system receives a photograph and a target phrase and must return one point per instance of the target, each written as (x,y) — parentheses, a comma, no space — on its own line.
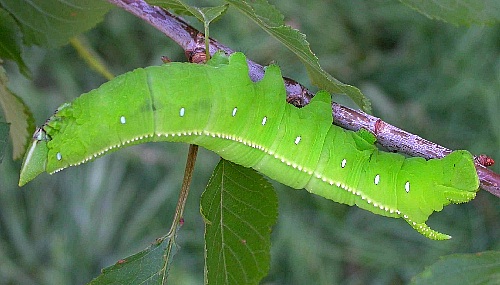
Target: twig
(188,174)
(192,41)
(179,210)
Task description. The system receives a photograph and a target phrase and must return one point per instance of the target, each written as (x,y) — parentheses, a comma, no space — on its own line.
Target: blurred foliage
(479,268)
(463,12)
(39,19)
(427,77)
(4,134)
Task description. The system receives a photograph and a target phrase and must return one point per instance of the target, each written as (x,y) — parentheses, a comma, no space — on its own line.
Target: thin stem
(179,210)
(207,40)
(181,203)
(90,56)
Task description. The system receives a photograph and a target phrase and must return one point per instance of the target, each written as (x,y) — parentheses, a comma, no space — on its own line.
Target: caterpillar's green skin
(218,107)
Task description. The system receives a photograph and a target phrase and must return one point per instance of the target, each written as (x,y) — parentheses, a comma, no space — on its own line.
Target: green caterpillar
(217,106)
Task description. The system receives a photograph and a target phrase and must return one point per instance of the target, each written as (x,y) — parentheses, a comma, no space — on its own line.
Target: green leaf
(4,134)
(52,23)
(479,268)
(271,20)
(149,266)
(464,12)
(10,41)
(211,14)
(239,207)
(176,6)
(18,115)
(205,15)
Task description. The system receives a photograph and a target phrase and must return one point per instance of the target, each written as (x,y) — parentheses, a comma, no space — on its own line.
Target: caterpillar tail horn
(425,230)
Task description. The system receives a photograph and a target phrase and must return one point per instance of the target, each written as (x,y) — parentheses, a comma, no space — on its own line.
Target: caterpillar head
(35,159)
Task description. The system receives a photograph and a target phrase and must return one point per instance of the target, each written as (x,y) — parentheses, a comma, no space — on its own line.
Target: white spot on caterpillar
(344,161)
(58,156)
(264,120)
(297,140)
(122,120)
(377,179)
(407,186)
(181,112)
(234,111)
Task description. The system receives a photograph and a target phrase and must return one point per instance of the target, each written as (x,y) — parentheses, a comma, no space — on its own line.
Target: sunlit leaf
(18,115)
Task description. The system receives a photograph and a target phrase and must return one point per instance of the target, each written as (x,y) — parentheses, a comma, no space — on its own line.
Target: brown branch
(192,41)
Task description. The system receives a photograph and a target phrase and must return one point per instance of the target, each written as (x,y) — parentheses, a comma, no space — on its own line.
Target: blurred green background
(433,79)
